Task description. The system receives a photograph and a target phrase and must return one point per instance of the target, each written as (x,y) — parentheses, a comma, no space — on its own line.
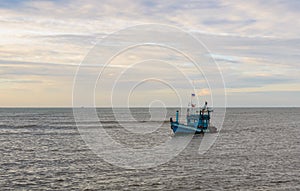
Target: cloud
(256,43)
(258,81)
(22,81)
(11,4)
(203,92)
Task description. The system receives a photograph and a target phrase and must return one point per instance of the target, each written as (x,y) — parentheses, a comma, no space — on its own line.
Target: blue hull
(196,122)
(181,128)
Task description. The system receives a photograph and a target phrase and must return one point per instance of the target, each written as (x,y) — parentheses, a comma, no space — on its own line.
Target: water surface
(257,149)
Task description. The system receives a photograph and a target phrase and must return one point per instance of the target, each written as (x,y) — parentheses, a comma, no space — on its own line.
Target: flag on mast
(193,104)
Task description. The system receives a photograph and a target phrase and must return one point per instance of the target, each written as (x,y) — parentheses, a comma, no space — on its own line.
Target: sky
(255,43)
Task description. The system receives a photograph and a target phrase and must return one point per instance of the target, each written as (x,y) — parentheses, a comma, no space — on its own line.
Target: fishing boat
(197,120)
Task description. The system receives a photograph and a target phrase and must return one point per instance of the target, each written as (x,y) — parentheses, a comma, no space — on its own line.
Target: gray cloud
(257,81)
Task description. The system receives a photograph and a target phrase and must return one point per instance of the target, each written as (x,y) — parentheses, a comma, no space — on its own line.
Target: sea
(43,149)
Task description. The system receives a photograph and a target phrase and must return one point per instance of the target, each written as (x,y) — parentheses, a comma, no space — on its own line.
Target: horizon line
(121,107)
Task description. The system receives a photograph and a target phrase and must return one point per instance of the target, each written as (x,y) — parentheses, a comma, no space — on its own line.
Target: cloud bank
(256,44)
